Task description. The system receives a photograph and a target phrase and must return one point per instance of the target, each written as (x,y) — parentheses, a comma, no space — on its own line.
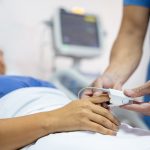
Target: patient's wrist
(43,121)
(47,124)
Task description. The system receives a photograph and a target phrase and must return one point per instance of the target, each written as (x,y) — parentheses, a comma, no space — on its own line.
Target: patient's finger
(87,93)
(101,99)
(105,113)
(92,126)
(103,121)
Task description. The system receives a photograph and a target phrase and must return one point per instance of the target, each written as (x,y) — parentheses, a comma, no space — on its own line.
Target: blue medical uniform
(144,3)
(11,83)
(147,99)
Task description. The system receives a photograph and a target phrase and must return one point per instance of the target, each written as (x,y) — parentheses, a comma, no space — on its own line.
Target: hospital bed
(37,99)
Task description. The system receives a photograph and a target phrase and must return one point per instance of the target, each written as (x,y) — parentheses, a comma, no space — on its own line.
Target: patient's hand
(85,114)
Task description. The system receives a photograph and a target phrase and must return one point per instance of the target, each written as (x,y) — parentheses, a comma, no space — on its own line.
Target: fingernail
(114,133)
(97,94)
(129,92)
(118,123)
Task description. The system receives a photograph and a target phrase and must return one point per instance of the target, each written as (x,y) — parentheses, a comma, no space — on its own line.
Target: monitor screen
(79,30)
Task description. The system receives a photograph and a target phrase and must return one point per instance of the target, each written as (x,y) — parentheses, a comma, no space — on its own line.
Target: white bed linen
(31,100)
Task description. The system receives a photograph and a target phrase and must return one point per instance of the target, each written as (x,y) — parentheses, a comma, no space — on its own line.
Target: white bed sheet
(31,100)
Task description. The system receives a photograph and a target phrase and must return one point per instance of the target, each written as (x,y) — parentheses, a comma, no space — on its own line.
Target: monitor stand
(76,63)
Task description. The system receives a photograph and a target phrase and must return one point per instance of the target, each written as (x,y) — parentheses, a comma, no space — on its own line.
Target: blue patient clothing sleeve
(11,83)
(144,3)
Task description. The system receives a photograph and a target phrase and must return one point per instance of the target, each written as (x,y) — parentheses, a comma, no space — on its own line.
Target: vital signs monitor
(76,35)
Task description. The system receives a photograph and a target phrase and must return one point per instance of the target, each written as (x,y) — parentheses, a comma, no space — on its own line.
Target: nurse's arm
(127,49)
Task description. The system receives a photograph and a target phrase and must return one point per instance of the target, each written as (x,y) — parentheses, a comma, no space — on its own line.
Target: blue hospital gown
(11,83)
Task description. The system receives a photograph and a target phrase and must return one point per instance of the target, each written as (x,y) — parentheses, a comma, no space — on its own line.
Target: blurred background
(27,42)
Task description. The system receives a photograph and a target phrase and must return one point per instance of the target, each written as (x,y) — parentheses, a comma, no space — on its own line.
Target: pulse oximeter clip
(117,98)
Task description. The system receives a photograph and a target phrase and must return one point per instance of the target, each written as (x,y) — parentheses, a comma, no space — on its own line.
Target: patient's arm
(78,115)
(20,131)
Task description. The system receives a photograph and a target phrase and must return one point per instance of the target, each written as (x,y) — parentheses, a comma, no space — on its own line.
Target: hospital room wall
(27,43)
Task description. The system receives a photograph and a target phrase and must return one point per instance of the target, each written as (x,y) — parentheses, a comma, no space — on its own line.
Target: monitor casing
(75,51)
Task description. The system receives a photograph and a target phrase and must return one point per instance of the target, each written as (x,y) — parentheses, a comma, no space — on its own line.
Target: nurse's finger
(139,91)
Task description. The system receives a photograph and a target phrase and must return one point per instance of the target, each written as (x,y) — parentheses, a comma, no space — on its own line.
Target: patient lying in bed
(76,125)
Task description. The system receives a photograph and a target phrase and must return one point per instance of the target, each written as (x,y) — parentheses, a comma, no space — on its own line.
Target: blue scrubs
(11,83)
(143,3)
(147,99)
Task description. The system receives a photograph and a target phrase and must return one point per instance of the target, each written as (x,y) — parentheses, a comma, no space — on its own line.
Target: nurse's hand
(104,81)
(140,107)
(139,91)
(2,63)
(84,115)
(143,108)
